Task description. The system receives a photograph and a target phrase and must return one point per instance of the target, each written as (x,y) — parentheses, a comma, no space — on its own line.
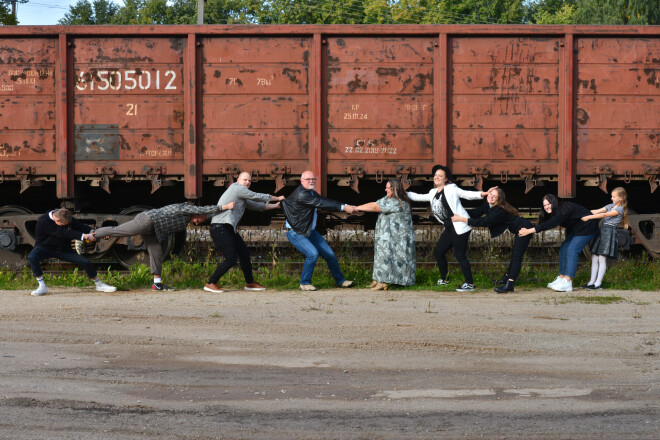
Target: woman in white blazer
(445,202)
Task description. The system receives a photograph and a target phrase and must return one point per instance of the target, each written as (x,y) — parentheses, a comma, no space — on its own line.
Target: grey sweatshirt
(243,198)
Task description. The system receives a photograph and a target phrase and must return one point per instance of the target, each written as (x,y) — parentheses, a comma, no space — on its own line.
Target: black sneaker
(594,287)
(466,288)
(588,286)
(161,286)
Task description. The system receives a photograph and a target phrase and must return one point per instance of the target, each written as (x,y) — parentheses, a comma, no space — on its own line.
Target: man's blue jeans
(312,248)
(569,253)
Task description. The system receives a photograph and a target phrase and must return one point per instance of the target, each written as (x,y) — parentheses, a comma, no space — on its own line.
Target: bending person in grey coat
(226,237)
(155,225)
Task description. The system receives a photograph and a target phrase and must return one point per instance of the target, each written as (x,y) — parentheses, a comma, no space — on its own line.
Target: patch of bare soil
(340,364)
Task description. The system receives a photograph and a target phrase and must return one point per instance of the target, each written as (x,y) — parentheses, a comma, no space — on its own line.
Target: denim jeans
(570,251)
(311,248)
(40,253)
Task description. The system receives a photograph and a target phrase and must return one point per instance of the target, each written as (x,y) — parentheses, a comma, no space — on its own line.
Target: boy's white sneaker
(102,287)
(41,290)
(564,286)
(555,282)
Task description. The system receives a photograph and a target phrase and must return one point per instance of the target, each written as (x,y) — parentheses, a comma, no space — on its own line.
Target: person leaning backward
(155,225)
(300,210)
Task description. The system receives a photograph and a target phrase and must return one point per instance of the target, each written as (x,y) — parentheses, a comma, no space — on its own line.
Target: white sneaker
(41,290)
(307,287)
(442,282)
(102,287)
(555,282)
(564,286)
(466,288)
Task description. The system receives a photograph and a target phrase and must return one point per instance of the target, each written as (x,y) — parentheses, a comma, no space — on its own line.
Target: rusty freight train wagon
(108,119)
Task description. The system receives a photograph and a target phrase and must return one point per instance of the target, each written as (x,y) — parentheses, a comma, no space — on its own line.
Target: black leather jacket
(299,209)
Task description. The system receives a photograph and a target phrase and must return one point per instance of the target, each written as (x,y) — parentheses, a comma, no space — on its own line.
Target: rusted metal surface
(380,97)
(505,101)
(571,105)
(618,106)
(255,103)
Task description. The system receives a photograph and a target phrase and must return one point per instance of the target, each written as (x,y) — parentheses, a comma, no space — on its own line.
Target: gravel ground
(332,364)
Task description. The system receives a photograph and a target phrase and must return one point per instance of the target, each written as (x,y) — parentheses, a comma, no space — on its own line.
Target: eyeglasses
(313,179)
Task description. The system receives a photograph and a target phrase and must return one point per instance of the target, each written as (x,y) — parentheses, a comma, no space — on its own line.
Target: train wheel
(17,256)
(136,252)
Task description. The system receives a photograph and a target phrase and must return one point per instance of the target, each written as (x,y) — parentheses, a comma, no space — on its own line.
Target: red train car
(108,118)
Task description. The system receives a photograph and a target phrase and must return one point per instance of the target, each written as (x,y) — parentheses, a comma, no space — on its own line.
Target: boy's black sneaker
(161,286)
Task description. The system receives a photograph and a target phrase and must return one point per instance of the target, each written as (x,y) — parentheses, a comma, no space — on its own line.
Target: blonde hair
(623,195)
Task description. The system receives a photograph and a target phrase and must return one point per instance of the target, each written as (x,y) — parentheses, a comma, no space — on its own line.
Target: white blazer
(453,194)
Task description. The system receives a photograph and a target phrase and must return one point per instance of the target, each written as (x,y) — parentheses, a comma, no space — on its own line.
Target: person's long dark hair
(502,203)
(554,203)
(397,190)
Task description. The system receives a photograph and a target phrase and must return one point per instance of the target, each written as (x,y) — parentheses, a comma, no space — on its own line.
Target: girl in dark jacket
(498,215)
(578,235)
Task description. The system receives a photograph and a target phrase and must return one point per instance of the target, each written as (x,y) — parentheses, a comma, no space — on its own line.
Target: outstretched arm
(597,215)
(369,207)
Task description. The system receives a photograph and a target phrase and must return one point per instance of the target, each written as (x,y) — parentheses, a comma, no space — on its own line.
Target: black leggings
(449,239)
(517,253)
(233,248)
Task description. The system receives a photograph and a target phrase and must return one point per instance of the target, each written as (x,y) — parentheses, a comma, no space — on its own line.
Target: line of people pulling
(394,242)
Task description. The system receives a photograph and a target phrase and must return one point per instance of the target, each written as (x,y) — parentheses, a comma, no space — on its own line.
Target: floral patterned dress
(394,244)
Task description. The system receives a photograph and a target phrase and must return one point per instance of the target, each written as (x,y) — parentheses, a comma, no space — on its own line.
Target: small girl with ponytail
(606,243)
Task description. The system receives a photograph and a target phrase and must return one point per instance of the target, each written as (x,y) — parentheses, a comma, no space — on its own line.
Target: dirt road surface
(333,364)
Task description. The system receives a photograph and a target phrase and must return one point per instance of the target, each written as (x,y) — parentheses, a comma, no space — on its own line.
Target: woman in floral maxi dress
(394,242)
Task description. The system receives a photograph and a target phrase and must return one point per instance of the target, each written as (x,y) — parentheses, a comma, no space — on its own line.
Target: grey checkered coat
(174,218)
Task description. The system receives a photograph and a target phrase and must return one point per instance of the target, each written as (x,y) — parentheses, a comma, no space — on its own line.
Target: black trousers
(517,253)
(233,248)
(449,239)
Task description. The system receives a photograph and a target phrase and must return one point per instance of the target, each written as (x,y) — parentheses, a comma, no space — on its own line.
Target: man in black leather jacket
(300,212)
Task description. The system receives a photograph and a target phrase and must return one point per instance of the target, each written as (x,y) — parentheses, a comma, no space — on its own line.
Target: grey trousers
(140,225)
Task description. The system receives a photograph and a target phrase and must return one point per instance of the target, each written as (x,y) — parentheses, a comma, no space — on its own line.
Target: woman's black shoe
(502,281)
(508,287)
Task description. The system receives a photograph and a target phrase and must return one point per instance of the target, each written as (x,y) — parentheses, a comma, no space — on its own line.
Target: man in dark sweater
(54,232)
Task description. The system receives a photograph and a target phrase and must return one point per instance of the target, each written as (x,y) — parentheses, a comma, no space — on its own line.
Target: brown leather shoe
(254,286)
(212,287)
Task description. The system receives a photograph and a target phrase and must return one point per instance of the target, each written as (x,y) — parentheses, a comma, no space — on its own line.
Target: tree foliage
(86,12)
(638,12)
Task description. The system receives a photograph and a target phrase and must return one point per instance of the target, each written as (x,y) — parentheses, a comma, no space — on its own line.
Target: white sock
(98,281)
(158,280)
(602,267)
(41,282)
(594,269)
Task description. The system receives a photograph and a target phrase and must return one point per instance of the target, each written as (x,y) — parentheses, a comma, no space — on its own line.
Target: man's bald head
(245,179)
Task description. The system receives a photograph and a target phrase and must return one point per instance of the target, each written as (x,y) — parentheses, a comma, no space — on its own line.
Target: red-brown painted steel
(566,138)
(199,103)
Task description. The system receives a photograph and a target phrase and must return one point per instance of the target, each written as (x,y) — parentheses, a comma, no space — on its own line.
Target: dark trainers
(466,288)
(161,286)
(588,286)
(594,287)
